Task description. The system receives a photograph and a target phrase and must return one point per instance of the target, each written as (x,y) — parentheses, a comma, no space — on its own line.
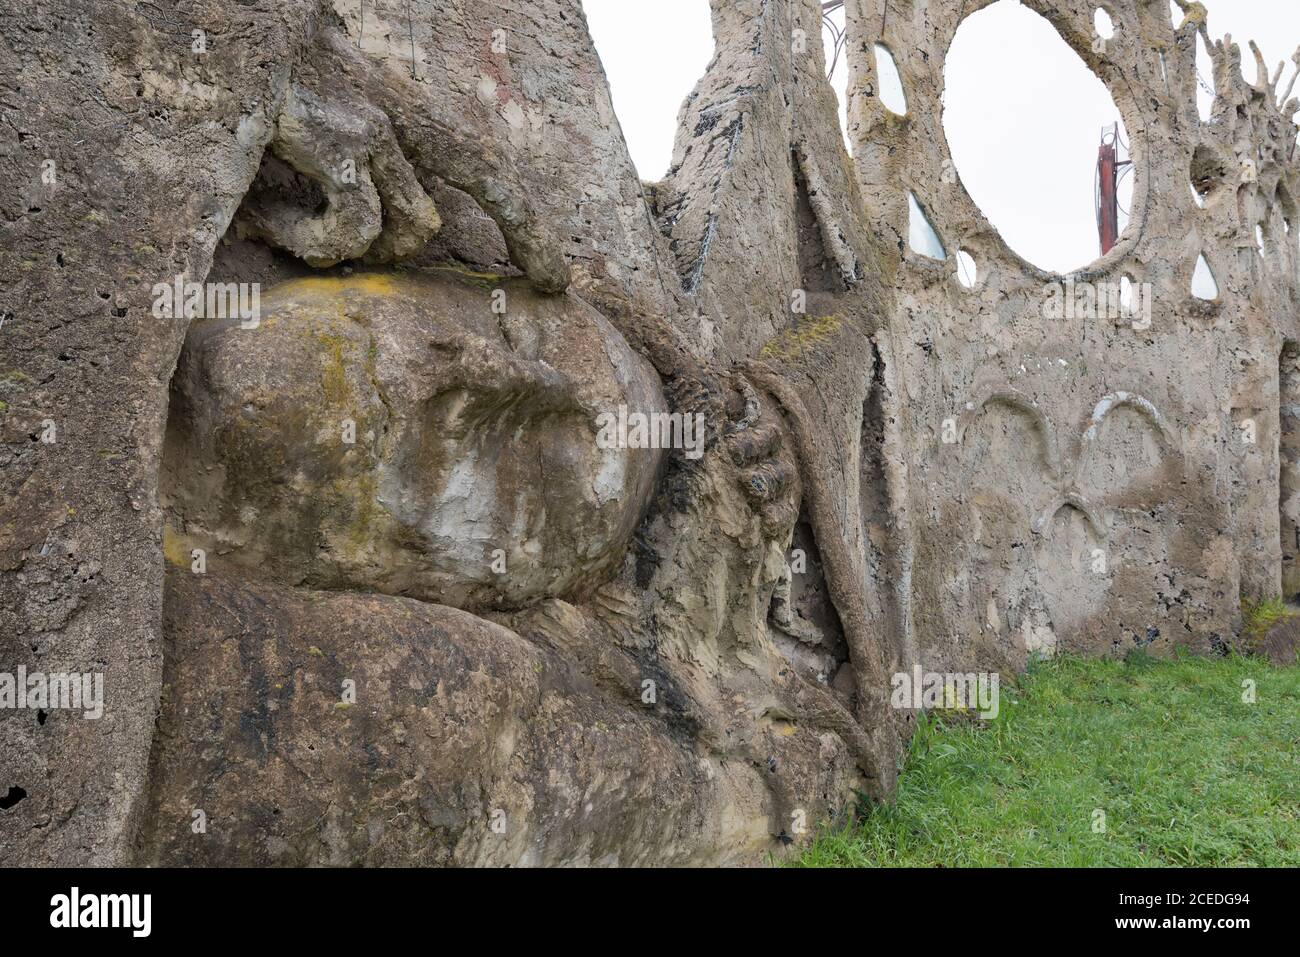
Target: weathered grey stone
(123,160)
(465,744)
(374,207)
(970,480)
(433,435)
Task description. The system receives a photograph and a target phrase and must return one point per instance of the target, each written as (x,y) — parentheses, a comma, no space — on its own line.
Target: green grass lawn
(1186,772)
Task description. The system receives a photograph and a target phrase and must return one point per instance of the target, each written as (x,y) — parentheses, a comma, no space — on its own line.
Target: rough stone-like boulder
(357,195)
(431,434)
(463,743)
(1281,645)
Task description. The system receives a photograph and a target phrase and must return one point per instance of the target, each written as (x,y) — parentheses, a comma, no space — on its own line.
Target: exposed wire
(1127,167)
(1096,196)
(837,33)
(961,264)
(410,22)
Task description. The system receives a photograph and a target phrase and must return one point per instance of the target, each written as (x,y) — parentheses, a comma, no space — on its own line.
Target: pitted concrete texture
(543,516)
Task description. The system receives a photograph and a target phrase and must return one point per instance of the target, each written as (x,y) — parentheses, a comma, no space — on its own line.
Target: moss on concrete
(802,336)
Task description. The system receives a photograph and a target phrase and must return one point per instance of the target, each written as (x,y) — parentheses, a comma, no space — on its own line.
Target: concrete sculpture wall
(530,514)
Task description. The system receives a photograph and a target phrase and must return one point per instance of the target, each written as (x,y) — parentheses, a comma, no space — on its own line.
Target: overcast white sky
(1034,180)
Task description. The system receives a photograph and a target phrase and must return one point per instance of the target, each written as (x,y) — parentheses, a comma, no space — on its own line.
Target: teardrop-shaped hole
(921,235)
(891,82)
(1126,295)
(1204,285)
(967,273)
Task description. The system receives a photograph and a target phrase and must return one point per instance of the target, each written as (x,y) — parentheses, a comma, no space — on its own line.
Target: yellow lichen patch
(802,336)
(367,284)
(333,376)
(177,547)
(479,278)
(357,498)
(1195,12)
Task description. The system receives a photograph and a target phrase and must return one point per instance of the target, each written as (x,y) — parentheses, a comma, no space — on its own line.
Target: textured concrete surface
(364,584)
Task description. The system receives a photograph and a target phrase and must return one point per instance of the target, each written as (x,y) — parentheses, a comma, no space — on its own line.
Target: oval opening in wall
(1103,24)
(1024,118)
